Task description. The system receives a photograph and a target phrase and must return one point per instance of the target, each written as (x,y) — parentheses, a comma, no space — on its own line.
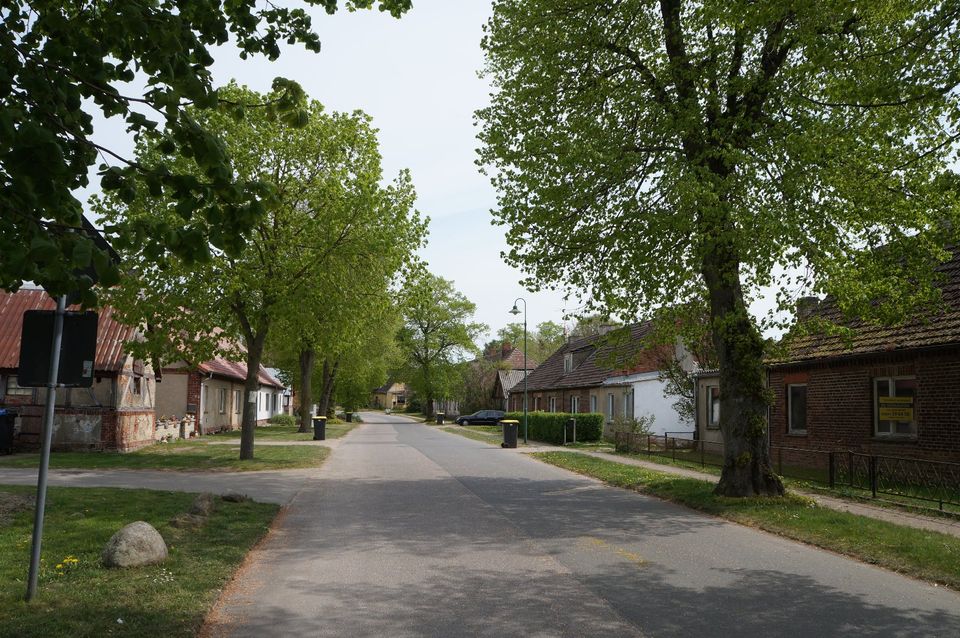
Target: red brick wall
(562,396)
(193,397)
(840,404)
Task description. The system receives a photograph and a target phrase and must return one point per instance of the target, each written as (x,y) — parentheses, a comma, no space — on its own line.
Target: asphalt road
(407,531)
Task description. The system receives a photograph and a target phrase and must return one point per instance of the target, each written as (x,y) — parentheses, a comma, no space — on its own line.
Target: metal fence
(934,482)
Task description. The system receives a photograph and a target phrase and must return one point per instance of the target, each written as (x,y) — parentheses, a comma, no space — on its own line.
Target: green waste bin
(319,428)
(510,428)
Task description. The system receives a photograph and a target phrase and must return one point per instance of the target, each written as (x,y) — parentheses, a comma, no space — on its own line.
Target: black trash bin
(319,428)
(570,431)
(510,428)
(440,416)
(7,420)
(349,416)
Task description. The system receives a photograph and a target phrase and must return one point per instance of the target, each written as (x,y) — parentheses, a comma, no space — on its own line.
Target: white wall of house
(648,399)
(269,402)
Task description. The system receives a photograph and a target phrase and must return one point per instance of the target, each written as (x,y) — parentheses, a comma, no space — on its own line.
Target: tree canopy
(329,219)
(63,62)
(647,153)
(437,332)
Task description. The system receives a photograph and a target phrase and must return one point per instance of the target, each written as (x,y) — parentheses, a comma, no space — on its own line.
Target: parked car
(481,417)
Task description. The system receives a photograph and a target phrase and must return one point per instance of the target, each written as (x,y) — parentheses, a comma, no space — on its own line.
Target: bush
(548,426)
(642,425)
(283,419)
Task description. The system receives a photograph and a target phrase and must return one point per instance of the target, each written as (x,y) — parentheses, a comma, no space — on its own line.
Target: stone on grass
(203,505)
(135,545)
(235,497)
(187,520)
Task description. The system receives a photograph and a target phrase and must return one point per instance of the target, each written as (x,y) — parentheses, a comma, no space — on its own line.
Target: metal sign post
(45,449)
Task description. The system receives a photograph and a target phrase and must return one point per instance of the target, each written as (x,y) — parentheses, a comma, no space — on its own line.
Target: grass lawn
(86,599)
(928,555)
(182,455)
(289,432)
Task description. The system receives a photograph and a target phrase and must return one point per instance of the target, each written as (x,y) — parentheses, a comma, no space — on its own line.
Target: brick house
(891,391)
(613,373)
(213,394)
(116,413)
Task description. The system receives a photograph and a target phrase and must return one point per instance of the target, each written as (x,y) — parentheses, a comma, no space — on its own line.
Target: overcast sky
(418,78)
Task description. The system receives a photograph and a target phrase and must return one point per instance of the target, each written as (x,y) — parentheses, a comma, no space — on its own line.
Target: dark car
(482,417)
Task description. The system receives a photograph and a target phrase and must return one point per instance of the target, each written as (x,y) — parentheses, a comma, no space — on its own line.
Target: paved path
(268,487)
(408,531)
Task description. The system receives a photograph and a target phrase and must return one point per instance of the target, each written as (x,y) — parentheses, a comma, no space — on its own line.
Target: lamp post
(516,311)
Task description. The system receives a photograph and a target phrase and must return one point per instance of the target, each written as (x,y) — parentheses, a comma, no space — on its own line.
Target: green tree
(63,62)
(542,341)
(645,152)
(436,332)
(326,175)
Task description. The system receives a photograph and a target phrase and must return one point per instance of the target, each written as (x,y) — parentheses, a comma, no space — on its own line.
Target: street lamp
(516,311)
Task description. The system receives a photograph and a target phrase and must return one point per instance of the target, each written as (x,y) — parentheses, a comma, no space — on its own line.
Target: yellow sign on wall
(896,409)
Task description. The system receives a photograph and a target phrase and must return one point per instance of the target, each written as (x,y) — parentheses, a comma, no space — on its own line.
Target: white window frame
(15,389)
(593,403)
(876,408)
(237,401)
(574,404)
(222,400)
(790,427)
(713,417)
(553,404)
(611,407)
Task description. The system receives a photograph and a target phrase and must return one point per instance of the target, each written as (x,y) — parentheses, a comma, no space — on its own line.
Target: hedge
(283,419)
(548,426)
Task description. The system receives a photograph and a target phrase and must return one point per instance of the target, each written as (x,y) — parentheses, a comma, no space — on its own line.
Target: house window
(574,404)
(611,407)
(797,408)
(895,406)
(553,404)
(628,404)
(275,402)
(568,362)
(593,403)
(236,401)
(536,404)
(222,400)
(137,386)
(713,406)
(14,388)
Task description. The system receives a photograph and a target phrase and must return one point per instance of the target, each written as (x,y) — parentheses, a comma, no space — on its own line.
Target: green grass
(289,432)
(86,600)
(928,555)
(489,429)
(182,455)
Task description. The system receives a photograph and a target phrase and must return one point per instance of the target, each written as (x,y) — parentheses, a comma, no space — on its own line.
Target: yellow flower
(59,565)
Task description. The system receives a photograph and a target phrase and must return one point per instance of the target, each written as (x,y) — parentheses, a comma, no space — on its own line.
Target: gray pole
(45,449)
(524,371)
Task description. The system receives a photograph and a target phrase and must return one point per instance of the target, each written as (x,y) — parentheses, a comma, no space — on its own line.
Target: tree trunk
(307,360)
(326,390)
(743,393)
(251,388)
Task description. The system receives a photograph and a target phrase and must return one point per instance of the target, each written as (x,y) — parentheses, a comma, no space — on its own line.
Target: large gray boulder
(135,545)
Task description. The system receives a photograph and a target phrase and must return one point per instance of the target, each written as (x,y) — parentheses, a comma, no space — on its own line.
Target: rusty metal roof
(111,335)
(236,370)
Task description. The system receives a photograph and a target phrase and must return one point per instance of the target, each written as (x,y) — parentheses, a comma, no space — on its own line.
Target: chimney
(806,306)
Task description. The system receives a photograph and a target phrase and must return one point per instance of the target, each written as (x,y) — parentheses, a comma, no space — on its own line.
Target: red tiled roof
(941,329)
(236,370)
(111,335)
(595,358)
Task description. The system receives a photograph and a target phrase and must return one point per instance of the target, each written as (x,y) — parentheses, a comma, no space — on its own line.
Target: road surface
(408,531)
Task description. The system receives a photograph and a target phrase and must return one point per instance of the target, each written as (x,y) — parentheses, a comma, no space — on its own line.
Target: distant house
(510,367)
(117,413)
(891,391)
(616,375)
(391,395)
(504,383)
(214,394)
(286,396)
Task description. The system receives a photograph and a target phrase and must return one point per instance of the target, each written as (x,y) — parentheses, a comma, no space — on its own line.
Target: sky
(418,78)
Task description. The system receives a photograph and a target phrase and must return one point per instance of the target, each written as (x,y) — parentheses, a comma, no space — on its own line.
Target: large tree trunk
(251,388)
(743,393)
(326,390)
(307,360)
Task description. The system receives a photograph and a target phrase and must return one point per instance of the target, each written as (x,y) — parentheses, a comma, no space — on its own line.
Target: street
(408,531)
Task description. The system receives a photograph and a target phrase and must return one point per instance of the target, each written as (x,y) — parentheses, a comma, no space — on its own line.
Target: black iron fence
(934,482)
